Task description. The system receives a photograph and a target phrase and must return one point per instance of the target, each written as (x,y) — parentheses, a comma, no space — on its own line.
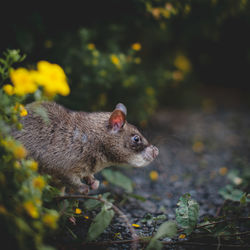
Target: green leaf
(243,199)
(137,197)
(187,213)
(118,179)
(93,204)
(41,111)
(154,244)
(166,229)
(100,222)
(233,194)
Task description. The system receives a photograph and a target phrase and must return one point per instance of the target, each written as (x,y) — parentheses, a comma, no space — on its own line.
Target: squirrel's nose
(155,151)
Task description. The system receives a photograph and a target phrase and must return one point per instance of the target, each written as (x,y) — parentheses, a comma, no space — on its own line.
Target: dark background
(213,35)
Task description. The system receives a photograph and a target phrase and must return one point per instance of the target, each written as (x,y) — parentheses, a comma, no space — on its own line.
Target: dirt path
(197,149)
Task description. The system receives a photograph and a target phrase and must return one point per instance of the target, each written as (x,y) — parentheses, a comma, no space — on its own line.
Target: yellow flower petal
(182,63)
(78,211)
(23,111)
(91,46)
(8,89)
(52,78)
(198,147)
(3,210)
(38,182)
(136,46)
(154,175)
(33,165)
(50,219)
(182,236)
(19,152)
(31,209)
(223,171)
(135,225)
(22,81)
(115,60)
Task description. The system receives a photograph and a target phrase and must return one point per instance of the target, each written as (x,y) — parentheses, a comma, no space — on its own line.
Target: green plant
(25,220)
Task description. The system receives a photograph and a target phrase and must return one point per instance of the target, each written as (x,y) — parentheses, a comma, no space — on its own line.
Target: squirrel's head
(125,145)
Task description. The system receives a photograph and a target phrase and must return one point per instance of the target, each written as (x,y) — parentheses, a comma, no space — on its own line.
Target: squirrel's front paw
(83,189)
(94,184)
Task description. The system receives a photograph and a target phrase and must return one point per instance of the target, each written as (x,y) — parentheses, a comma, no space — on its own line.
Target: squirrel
(73,145)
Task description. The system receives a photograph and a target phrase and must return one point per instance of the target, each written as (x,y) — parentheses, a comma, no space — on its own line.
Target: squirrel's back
(48,134)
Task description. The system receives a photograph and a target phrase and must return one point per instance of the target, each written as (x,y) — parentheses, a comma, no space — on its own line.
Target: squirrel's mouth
(145,157)
(150,153)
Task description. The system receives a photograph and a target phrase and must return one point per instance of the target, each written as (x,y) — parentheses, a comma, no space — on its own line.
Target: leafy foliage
(25,221)
(118,179)
(229,192)
(100,222)
(10,57)
(187,213)
(167,229)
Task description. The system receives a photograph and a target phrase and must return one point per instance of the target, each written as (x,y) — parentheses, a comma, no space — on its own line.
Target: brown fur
(72,145)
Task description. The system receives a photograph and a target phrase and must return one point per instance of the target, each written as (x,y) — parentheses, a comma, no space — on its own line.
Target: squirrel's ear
(118,117)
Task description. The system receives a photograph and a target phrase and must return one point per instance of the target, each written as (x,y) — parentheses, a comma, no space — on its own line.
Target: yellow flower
(52,78)
(182,63)
(31,209)
(78,211)
(198,147)
(23,111)
(38,182)
(22,81)
(115,60)
(95,53)
(223,171)
(86,217)
(38,202)
(91,46)
(8,89)
(135,225)
(150,91)
(182,236)
(50,219)
(177,75)
(136,46)
(137,60)
(17,165)
(33,165)
(3,210)
(154,175)
(19,152)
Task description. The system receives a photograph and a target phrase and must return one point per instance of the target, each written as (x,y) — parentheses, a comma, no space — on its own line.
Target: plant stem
(135,237)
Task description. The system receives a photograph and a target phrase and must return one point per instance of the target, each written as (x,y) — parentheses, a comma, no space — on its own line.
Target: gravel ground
(196,150)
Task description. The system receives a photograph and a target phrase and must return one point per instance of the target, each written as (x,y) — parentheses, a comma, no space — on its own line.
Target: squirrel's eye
(136,138)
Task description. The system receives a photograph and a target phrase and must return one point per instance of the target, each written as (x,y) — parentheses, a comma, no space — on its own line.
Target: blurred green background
(193,53)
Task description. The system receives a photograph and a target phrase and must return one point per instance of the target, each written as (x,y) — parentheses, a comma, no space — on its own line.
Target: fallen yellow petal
(182,236)
(135,225)
(154,175)
(78,211)
(223,171)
